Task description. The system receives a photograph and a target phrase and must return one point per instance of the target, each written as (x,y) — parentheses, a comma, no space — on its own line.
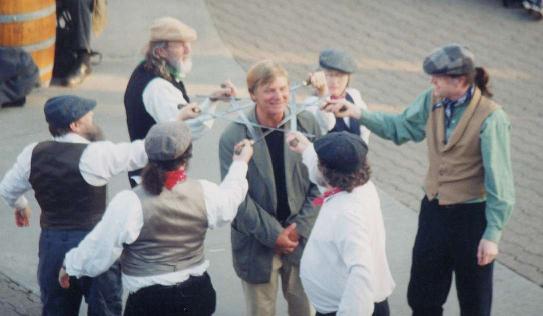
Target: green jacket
(255,228)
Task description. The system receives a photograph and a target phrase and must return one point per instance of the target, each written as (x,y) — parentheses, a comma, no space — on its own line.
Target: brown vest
(173,232)
(455,172)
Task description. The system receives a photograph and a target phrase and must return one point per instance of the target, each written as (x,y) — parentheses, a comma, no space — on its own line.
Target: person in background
(158,229)
(534,8)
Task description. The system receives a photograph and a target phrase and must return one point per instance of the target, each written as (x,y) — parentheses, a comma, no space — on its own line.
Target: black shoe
(16,103)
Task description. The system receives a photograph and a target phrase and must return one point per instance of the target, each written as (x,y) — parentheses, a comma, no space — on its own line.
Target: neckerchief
(174,177)
(449,105)
(318,201)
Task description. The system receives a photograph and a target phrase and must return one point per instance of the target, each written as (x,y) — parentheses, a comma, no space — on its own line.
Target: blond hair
(264,72)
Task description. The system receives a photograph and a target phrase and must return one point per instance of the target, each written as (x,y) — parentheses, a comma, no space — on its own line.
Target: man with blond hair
(273,224)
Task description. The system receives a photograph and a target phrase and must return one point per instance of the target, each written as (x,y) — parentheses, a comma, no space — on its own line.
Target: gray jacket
(255,228)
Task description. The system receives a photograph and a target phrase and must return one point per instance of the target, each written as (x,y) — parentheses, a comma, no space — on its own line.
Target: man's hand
(486,252)
(22,216)
(63,278)
(297,142)
(188,111)
(284,244)
(227,90)
(342,108)
(243,151)
(318,81)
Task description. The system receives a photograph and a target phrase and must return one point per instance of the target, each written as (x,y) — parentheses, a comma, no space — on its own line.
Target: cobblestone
(389,41)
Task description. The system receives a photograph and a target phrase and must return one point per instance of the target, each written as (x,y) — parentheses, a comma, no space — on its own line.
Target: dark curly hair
(346,181)
(154,173)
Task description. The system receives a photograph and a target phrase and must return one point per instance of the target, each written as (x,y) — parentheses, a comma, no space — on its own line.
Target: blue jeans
(103,293)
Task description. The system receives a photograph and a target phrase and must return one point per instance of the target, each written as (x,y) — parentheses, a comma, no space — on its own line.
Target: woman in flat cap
(158,229)
(332,82)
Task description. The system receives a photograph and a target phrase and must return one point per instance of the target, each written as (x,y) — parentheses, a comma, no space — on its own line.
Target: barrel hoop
(29,16)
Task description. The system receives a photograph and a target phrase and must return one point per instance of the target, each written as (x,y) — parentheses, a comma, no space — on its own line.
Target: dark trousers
(193,297)
(103,293)
(447,240)
(379,309)
(75,32)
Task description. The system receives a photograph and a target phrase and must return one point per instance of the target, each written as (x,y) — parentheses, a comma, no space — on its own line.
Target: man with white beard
(155,92)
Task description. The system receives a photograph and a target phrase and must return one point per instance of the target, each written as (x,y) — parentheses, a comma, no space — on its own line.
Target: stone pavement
(389,39)
(384,40)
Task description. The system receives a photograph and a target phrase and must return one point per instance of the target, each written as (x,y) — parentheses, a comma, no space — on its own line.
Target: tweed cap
(167,140)
(171,29)
(337,60)
(451,59)
(62,110)
(341,151)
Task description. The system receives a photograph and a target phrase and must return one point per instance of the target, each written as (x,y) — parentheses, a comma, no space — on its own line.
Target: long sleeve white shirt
(99,162)
(327,120)
(162,100)
(344,268)
(123,221)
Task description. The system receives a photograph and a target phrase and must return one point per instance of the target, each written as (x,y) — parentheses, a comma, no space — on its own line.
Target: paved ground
(389,40)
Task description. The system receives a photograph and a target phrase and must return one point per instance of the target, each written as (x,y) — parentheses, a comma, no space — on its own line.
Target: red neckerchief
(333,97)
(174,177)
(318,201)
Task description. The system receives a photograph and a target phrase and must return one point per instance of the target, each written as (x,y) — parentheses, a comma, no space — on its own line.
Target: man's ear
(74,126)
(252,97)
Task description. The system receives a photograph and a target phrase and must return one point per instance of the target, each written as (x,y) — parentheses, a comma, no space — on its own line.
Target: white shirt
(161,100)
(344,267)
(123,220)
(99,162)
(327,120)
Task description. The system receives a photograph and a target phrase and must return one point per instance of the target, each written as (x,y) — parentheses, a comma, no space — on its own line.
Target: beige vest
(173,232)
(456,172)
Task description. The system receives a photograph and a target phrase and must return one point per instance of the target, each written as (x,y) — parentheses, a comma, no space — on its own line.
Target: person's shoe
(79,72)
(16,103)
(527,5)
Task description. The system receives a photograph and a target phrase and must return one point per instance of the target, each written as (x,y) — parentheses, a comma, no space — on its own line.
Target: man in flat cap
(156,92)
(469,185)
(344,268)
(158,229)
(69,174)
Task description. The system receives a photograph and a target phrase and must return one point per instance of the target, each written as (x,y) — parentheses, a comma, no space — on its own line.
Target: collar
(71,138)
(318,201)
(462,101)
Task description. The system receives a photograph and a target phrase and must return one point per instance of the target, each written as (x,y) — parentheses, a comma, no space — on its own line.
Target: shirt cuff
(308,155)
(492,233)
(20,203)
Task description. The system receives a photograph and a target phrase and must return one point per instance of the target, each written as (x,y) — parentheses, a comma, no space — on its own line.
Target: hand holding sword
(188,111)
(342,108)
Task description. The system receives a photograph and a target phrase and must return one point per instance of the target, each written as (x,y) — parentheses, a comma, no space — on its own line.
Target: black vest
(354,125)
(66,200)
(138,120)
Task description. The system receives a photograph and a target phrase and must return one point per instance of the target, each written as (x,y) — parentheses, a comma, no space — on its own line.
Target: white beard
(184,67)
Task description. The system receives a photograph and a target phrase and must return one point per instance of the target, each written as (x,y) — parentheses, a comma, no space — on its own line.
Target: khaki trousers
(260,298)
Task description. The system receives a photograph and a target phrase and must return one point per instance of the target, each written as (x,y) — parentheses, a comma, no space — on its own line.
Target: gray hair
(154,63)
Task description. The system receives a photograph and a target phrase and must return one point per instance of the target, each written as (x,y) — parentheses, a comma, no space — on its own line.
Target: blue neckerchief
(449,105)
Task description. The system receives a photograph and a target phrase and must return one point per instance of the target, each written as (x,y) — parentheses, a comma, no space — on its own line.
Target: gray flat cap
(337,60)
(451,59)
(62,110)
(167,141)
(341,151)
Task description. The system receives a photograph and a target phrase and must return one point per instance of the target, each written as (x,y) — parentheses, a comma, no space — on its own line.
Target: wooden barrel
(31,25)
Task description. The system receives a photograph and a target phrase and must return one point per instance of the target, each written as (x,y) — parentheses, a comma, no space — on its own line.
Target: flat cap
(62,110)
(451,59)
(341,151)
(337,60)
(167,140)
(171,29)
